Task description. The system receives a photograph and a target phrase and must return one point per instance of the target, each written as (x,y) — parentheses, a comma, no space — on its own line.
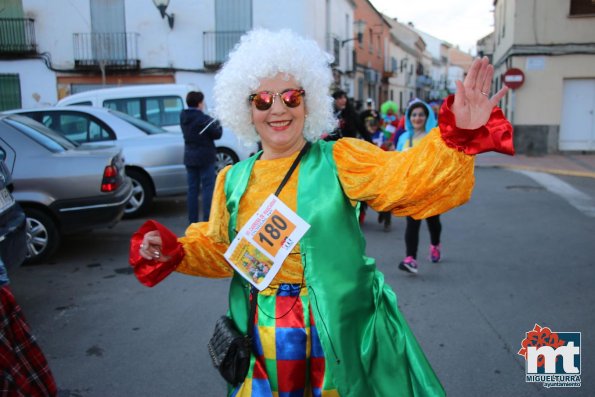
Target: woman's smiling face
(280,127)
(418,118)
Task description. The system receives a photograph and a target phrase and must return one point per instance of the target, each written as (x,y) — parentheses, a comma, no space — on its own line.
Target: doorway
(577,124)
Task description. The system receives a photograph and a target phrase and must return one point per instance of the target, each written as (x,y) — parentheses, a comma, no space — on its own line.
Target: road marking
(576,198)
(549,170)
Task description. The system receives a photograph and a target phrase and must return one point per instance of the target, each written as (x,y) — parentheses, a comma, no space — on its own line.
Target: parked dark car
(13,235)
(63,188)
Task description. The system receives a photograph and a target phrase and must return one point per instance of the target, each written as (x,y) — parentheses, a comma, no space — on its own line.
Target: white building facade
(438,70)
(407,48)
(61,47)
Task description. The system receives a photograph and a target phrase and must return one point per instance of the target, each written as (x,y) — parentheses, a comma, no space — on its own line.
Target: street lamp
(359,29)
(162,6)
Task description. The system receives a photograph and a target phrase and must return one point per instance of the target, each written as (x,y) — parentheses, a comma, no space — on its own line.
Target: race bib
(260,248)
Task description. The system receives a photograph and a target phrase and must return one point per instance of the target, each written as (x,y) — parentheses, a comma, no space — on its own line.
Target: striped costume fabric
(290,360)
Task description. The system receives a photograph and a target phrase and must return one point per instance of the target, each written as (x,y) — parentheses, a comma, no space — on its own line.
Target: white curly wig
(262,54)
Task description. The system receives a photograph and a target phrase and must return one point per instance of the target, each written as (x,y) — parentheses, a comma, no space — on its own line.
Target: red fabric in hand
(495,135)
(151,272)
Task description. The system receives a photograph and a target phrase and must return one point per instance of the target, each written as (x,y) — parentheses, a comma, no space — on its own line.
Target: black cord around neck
(293,167)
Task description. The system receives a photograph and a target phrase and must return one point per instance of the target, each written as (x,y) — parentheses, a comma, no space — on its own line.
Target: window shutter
(10,92)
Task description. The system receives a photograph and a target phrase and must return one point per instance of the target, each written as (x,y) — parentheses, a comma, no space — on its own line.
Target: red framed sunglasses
(263,100)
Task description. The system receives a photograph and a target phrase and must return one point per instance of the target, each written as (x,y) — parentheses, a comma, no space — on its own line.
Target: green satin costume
(368,346)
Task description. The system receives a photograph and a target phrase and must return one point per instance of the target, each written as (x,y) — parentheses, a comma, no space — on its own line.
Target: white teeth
(279,123)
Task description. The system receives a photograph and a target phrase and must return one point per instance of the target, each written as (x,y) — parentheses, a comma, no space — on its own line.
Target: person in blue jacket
(419,120)
(200,131)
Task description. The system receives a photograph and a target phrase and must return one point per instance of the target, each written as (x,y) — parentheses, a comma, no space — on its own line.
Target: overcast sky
(460,22)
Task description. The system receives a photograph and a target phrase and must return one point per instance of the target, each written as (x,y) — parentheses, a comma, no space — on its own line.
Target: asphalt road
(518,254)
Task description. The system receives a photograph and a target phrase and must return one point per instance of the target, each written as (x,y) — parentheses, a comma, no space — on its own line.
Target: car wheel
(142,194)
(225,157)
(43,237)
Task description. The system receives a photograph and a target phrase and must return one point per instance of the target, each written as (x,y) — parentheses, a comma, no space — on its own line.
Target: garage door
(577,125)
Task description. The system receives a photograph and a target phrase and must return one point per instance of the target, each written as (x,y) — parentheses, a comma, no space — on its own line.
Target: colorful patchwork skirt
(290,360)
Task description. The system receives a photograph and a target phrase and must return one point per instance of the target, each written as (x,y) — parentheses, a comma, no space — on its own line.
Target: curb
(583,174)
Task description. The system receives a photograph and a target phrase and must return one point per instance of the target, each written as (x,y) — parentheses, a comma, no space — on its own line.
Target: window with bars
(336,51)
(582,7)
(10,91)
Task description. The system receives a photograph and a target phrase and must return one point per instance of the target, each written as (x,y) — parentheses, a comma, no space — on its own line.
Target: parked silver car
(160,104)
(63,188)
(154,156)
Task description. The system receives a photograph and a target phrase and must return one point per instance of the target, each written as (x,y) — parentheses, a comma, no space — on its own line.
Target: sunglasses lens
(263,100)
(292,98)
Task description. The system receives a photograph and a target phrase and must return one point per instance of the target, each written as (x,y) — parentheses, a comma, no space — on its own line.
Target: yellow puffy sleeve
(428,179)
(205,242)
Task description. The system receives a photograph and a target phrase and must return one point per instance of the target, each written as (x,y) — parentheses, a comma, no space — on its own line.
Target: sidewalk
(572,164)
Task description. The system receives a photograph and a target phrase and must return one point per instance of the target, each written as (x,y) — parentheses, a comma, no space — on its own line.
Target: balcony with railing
(423,82)
(112,51)
(17,37)
(217,45)
(371,76)
(387,74)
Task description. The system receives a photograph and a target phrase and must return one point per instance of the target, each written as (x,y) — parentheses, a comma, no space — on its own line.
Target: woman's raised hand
(472,105)
(151,246)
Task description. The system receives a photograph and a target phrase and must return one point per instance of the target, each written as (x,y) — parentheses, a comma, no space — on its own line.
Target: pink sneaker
(435,253)
(409,264)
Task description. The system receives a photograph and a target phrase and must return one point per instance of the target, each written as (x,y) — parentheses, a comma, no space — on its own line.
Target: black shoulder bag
(229,349)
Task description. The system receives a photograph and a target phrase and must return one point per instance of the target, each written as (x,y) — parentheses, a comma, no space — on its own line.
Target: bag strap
(292,168)
(253,291)
(253,298)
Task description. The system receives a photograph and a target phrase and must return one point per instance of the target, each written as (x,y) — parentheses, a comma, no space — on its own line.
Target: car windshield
(41,134)
(142,125)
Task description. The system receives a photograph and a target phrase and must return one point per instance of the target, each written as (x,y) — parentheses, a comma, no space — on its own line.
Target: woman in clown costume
(327,324)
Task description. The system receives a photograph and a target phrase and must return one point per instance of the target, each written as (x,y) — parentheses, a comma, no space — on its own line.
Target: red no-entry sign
(513,78)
